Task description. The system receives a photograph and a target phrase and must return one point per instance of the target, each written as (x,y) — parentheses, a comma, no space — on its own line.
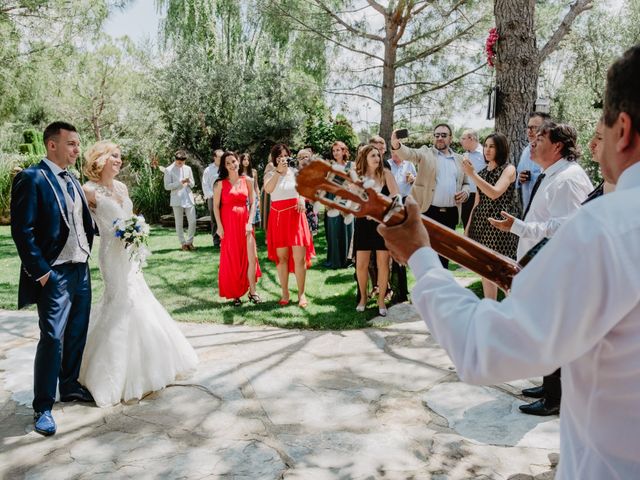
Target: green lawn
(186,284)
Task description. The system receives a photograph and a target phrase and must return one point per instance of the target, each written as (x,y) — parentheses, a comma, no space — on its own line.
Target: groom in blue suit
(53,232)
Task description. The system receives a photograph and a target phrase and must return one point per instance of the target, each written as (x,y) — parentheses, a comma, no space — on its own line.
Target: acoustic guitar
(355,196)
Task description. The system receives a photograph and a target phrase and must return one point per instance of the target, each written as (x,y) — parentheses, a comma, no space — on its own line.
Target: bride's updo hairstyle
(96,157)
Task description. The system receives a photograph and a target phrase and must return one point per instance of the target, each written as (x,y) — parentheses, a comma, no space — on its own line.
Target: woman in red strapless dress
(239,269)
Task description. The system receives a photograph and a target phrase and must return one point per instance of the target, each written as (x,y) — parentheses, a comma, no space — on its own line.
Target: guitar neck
(472,255)
(466,252)
(353,195)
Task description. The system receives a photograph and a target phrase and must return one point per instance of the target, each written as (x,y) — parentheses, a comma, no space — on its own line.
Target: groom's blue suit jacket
(39,225)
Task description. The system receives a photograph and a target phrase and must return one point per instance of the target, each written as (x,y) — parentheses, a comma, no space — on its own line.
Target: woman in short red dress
(239,269)
(289,241)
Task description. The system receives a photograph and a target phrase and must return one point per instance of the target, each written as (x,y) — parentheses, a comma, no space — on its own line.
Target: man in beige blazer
(441,185)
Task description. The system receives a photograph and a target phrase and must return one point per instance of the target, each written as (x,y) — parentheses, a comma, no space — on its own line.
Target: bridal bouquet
(134,233)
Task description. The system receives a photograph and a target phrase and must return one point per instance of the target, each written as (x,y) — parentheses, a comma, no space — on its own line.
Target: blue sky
(139,21)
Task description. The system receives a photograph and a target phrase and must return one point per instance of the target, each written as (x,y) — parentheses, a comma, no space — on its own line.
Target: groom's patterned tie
(67,179)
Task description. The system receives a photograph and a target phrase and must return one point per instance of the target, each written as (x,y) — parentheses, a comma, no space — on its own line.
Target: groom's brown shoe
(80,395)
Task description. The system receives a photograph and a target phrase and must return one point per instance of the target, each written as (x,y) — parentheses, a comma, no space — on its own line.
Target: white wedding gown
(133,345)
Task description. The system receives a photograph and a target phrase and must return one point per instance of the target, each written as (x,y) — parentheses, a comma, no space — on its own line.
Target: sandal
(254,298)
(237,302)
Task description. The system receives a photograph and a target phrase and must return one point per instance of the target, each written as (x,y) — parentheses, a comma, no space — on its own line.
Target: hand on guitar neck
(404,239)
(353,195)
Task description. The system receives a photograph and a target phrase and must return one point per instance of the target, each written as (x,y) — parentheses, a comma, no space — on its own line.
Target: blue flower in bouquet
(134,233)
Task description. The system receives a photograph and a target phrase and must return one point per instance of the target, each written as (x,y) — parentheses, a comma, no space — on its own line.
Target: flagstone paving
(268,403)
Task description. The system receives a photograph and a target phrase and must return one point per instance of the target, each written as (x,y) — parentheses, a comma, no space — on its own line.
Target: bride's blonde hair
(96,157)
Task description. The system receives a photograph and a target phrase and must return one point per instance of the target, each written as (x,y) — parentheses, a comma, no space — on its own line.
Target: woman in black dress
(496,193)
(365,237)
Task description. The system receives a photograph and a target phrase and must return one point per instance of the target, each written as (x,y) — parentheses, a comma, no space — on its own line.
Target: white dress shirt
(400,172)
(526,163)
(477,160)
(575,306)
(446,181)
(209,176)
(560,194)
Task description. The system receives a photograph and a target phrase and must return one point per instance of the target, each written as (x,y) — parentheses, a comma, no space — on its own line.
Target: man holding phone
(440,186)
(527,170)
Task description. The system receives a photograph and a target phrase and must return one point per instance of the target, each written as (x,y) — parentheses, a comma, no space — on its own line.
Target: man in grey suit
(178,179)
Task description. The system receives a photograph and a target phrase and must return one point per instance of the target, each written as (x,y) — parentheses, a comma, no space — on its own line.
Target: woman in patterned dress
(496,193)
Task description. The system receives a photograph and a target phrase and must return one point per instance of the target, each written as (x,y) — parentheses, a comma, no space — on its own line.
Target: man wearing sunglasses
(178,179)
(441,185)
(528,170)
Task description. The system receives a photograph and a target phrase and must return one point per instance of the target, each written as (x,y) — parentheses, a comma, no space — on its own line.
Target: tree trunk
(517,66)
(387,97)
(95,124)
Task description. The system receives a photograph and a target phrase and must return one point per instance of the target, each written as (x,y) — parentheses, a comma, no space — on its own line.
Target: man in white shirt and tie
(178,179)
(209,177)
(576,304)
(557,194)
(559,190)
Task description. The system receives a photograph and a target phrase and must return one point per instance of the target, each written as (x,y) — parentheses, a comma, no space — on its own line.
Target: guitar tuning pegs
(348,219)
(332,212)
(316,207)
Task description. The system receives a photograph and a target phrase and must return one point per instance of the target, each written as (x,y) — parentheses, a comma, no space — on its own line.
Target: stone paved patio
(267,403)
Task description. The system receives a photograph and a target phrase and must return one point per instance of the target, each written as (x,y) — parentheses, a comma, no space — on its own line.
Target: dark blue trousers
(63,311)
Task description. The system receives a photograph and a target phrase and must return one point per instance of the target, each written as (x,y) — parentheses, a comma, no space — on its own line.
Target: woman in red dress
(289,241)
(239,269)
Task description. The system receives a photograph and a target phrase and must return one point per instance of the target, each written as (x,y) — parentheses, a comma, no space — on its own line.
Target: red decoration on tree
(490,44)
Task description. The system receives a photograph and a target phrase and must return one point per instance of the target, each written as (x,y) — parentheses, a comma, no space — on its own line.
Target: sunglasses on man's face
(440,135)
(182,159)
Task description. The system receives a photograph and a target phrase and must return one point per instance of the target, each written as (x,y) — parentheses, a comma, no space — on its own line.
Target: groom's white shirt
(181,194)
(76,249)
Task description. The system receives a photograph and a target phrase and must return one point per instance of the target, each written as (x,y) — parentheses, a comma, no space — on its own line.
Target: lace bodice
(113,259)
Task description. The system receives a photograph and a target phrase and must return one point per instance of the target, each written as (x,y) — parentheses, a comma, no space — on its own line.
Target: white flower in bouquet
(134,232)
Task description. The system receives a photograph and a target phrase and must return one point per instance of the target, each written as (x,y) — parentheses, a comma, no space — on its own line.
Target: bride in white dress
(133,346)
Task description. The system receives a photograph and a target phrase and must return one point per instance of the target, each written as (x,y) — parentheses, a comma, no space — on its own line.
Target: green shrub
(26,149)
(148,194)
(33,143)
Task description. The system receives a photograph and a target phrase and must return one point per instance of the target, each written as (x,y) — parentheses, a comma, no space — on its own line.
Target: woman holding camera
(234,209)
(289,241)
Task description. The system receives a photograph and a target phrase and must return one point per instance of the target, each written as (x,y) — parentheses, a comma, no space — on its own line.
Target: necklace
(109,191)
